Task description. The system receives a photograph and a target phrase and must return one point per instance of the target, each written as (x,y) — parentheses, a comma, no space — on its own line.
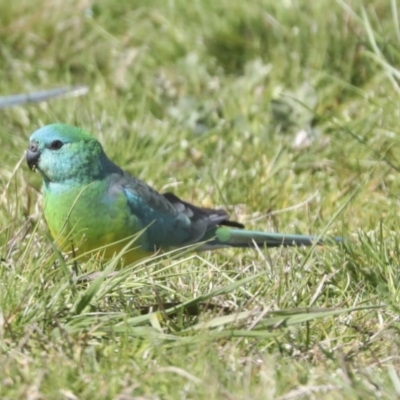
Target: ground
(285,113)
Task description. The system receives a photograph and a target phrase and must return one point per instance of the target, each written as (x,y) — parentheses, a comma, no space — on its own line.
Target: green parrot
(90,203)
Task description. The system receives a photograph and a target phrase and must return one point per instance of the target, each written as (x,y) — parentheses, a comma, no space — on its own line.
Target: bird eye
(56,145)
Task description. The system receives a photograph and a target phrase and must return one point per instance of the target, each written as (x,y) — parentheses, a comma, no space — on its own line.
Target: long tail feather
(226,237)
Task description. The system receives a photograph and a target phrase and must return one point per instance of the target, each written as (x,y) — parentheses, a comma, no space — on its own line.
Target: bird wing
(170,221)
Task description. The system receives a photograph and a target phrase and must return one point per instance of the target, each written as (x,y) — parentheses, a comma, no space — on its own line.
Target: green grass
(207,98)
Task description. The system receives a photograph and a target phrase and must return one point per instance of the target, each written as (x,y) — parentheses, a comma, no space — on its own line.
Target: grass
(284,113)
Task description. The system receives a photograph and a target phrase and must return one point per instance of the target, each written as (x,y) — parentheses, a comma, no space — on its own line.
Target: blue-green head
(64,153)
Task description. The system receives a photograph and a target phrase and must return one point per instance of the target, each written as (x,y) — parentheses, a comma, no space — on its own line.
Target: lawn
(286,114)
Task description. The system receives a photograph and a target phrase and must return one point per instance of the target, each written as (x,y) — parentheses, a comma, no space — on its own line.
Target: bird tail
(228,237)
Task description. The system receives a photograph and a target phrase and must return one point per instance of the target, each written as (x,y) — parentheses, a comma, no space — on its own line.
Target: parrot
(90,203)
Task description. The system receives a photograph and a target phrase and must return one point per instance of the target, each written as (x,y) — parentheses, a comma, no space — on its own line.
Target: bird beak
(33,155)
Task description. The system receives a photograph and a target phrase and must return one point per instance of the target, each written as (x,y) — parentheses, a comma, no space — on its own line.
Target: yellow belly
(91,226)
(106,248)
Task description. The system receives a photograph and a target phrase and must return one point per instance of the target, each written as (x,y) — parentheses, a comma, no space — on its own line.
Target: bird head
(64,153)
